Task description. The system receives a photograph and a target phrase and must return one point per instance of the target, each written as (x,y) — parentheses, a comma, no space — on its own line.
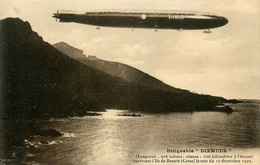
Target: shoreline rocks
(130,115)
(48,133)
(226,109)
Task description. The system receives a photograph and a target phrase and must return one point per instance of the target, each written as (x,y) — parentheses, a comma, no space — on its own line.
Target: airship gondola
(179,20)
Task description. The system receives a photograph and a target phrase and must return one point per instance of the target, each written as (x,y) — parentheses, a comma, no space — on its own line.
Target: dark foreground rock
(47,133)
(44,142)
(15,133)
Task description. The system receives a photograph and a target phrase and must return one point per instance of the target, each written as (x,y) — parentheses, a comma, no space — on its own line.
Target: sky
(224,63)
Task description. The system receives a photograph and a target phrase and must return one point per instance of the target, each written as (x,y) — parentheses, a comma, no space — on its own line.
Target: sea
(110,139)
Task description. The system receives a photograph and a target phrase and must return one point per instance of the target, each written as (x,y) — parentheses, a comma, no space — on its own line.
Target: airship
(179,20)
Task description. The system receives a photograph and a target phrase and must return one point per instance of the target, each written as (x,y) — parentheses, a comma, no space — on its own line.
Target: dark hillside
(37,77)
(116,69)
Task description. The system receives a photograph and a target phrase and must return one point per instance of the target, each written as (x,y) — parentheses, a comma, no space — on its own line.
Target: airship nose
(223,20)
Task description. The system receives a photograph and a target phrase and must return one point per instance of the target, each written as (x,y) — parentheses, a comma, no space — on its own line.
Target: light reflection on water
(113,114)
(110,146)
(112,139)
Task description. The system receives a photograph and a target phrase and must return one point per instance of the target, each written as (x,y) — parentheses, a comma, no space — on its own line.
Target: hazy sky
(224,63)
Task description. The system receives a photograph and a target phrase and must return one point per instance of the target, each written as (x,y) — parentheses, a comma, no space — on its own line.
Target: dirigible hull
(184,21)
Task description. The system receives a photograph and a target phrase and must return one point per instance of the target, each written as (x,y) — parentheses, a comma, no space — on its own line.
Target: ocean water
(111,139)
